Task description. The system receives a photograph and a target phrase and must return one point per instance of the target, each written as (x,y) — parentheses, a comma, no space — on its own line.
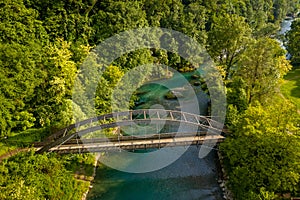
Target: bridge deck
(135,144)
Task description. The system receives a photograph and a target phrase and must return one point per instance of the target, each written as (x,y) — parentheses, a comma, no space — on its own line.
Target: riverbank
(88,179)
(97,156)
(224,178)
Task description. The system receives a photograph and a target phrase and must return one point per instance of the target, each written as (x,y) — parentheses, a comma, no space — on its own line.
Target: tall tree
(109,79)
(22,38)
(228,39)
(294,41)
(262,66)
(116,16)
(57,86)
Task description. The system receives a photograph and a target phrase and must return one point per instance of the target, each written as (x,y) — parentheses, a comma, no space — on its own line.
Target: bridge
(195,130)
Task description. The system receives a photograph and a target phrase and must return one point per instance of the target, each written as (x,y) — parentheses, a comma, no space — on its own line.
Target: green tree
(57,85)
(22,38)
(293,37)
(262,66)
(236,93)
(20,24)
(228,39)
(109,79)
(32,176)
(116,16)
(263,151)
(65,19)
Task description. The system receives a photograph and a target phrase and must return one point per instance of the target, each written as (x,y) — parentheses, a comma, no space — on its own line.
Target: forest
(43,44)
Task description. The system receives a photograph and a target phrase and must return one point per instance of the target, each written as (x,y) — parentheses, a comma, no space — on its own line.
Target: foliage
(262,67)
(236,94)
(109,79)
(263,151)
(52,105)
(293,37)
(117,16)
(43,43)
(20,24)
(80,163)
(22,37)
(30,176)
(228,38)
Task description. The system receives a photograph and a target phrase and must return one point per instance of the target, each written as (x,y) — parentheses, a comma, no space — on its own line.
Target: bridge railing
(132,115)
(129,118)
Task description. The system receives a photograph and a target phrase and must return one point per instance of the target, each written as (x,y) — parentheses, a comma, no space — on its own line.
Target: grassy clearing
(21,139)
(291,86)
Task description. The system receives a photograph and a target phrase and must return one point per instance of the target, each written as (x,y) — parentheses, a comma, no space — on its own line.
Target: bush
(31,176)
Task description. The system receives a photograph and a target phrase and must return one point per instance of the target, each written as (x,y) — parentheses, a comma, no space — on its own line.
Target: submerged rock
(173,95)
(195,76)
(197,83)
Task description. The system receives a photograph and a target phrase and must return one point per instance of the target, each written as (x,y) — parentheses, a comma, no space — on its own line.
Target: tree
(236,93)
(65,19)
(109,79)
(32,176)
(293,37)
(228,39)
(263,153)
(51,101)
(20,24)
(22,38)
(189,18)
(116,16)
(262,66)
(280,9)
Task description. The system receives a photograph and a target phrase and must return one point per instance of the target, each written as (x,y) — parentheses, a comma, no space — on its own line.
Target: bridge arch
(133,117)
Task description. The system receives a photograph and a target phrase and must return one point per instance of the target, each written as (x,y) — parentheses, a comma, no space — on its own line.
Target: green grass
(21,139)
(80,163)
(4,148)
(291,86)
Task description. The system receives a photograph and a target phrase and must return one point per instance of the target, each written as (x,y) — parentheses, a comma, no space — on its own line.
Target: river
(285,27)
(187,178)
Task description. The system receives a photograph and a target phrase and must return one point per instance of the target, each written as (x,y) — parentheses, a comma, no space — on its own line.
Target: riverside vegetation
(43,43)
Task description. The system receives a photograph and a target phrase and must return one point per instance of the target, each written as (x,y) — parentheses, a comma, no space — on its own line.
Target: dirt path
(12,153)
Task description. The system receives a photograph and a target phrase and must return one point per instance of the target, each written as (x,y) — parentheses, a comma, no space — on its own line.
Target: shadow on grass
(80,164)
(295,92)
(25,138)
(291,86)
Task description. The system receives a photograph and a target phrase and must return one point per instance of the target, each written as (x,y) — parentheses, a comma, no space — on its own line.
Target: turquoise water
(187,178)
(153,93)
